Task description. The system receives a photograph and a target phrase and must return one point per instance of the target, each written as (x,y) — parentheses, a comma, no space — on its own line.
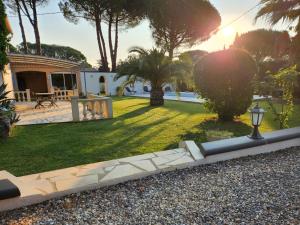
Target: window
(58,81)
(70,80)
(61,81)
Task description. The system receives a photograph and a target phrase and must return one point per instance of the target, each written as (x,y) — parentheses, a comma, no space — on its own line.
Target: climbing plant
(3,37)
(284,82)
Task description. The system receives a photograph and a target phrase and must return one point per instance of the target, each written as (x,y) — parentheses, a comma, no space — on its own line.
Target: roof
(89,70)
(42,60)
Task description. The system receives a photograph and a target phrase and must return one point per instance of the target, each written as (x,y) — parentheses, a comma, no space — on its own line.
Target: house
(36,74)
(40,74)
(93,81)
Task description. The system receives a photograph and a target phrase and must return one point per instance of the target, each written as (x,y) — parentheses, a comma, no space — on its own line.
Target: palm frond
(280,10)
(138,50)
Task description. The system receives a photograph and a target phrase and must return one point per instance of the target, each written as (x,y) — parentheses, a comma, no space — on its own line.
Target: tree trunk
(111,49)
(171,46)
(98,40)
(171,52)
(156,96)
(36,30)
(105,63)
(114,59)
(225,117)
(37,40)
(102,56)
(22,27)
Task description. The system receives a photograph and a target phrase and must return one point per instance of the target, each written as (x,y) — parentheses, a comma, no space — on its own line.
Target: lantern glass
(257,115)
(257,118)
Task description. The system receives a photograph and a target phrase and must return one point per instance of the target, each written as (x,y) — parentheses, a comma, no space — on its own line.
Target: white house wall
(90,83)
(8,80)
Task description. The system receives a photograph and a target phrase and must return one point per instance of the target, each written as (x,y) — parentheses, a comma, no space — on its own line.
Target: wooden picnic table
(42,98)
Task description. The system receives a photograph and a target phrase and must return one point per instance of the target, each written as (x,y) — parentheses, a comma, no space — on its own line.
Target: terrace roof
(42,60)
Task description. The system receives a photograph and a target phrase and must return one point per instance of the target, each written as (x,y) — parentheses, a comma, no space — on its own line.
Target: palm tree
(280,10)
(275,11)
(153,66)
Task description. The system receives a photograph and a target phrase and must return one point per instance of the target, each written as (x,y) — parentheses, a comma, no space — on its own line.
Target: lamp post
(257,115)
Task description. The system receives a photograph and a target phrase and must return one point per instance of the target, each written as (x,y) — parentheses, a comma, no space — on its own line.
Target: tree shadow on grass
(213,129)
(237,128)
(80,143)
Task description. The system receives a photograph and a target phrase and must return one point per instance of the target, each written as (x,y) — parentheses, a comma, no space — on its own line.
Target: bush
(120,91)
(7,113)
(224,78)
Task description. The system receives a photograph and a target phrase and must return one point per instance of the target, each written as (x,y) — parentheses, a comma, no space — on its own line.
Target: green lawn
(135,129)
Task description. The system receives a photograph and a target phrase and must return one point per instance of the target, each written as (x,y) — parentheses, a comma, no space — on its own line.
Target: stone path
(39,187)
(60,114)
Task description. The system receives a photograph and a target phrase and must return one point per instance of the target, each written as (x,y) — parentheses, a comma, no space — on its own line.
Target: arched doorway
(102,85)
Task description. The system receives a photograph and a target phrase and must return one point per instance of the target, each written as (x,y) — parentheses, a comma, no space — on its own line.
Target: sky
(54,29)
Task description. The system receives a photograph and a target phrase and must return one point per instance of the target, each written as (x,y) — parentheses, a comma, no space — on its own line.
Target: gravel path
(262,189)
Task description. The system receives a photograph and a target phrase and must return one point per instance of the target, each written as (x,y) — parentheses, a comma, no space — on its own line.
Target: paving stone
(99,165)
(121,171)
(158,161)
(62,113)
(146,165)
(76,182)
(29,178)
(85,172)
(137,158)
(56,173)
(180,150)
(62,177)
(168,152)
(43,185)
(108,169)
(182,160)
(27,189)
(167,158)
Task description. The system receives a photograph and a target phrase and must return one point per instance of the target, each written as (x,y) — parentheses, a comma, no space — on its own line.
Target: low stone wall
(40,187)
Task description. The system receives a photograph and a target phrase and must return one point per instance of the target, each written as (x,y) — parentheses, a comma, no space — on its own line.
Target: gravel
(262,189)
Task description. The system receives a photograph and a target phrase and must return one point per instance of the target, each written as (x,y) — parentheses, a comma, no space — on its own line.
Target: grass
(135,129)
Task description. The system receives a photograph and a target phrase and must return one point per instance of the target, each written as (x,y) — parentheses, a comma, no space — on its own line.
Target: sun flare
(228,31)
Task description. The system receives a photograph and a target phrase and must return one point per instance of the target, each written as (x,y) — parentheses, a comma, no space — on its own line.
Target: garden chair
(132,92)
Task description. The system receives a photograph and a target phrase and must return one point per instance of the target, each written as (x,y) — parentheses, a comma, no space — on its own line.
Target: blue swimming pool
(182,94)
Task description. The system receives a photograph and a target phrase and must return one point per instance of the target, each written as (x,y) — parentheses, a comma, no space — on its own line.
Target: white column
(28,95)
(75,108)
(109,108)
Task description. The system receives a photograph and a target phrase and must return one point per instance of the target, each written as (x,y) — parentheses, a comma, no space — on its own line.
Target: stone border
(228,145)
(37,188)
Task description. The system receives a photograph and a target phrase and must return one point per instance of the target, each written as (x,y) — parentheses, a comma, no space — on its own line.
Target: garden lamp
(257,115)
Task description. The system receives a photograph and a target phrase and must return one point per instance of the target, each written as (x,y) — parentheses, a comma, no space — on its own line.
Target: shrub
(120,91)
(224,78)
(7,113)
